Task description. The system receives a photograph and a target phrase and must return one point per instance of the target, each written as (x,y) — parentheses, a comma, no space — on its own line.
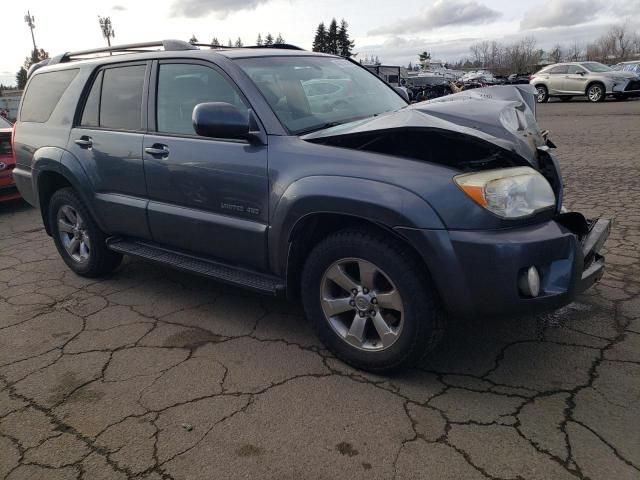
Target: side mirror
(221,120)
(402,92)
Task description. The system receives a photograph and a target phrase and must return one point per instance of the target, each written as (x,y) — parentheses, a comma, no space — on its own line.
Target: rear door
(575,80)
(108,143)
(207,196)
(556,79)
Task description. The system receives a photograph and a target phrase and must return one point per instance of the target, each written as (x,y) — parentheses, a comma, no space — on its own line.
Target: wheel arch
(593,82)
(54,175)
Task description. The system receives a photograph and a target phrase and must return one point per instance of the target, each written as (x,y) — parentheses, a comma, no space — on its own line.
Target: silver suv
(593,79)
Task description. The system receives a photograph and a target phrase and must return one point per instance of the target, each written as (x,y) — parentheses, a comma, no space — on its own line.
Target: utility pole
(107,28)
(29,19)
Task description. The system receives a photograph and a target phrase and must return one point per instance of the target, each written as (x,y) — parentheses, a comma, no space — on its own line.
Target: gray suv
(593,79)
(384,218)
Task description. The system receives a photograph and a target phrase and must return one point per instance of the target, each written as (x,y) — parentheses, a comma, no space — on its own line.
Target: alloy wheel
(73,234)
(361,304)
(541,94)
(595,93)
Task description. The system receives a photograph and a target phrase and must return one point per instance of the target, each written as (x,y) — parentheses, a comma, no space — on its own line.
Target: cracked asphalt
(151,373)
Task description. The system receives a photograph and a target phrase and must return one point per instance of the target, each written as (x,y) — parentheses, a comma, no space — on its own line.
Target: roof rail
(282,46)
(167,45)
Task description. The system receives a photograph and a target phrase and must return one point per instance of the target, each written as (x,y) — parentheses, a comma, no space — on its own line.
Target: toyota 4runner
(299,173)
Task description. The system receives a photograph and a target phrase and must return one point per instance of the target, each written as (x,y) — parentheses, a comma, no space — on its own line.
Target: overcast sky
(395,31)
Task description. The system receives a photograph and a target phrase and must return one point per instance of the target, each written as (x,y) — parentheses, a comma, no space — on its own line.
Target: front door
(576,80)
(206,196)
(108,143)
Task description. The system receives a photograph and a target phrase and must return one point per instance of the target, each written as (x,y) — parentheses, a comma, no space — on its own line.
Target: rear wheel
(369,302)
(596,93)
(79,241)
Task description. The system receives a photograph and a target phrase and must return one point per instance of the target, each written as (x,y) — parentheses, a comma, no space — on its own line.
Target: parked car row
(8,190)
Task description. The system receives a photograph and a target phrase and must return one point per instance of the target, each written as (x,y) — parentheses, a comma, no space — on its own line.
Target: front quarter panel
(365,199)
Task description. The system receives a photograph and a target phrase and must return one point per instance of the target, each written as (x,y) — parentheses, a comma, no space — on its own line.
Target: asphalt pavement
(151,373)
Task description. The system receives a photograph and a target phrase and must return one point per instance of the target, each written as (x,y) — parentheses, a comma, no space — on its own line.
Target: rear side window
(121,98)
(575,69)
(559,69)
(44,93)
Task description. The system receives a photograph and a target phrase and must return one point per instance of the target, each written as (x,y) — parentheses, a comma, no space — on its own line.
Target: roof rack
(167,45)
(281,46)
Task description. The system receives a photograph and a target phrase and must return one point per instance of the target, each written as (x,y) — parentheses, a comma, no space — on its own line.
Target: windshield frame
(585,65)
(238,64)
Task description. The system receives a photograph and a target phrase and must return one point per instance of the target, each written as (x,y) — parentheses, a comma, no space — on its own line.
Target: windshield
(310,93)
(596,67)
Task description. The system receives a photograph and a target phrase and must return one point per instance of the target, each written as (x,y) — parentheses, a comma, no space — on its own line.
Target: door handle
(84,142)
(158,150)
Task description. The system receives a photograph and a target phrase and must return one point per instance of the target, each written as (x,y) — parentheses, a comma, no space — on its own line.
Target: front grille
(5,146)
(633,85)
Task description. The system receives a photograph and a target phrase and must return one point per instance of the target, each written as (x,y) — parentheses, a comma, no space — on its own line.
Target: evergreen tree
(35,57)
(215,42)
(239,42)
(193,39)
(410,66)
(320,40)
(229,43)
(259,40)
(268,40)
(345,46)
(21,78)
(279,39)
(332,38)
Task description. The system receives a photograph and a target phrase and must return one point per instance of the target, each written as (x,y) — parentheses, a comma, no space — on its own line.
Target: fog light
(529,282)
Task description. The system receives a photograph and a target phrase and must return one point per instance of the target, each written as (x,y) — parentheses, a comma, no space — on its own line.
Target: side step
(218,271)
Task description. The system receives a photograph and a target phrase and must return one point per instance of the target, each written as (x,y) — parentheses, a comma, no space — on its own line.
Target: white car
(593,79)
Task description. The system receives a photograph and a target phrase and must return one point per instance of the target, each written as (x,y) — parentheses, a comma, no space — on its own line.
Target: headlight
(508,192)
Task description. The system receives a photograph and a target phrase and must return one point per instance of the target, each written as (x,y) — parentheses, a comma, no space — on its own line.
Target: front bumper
(476,272)
(629,89)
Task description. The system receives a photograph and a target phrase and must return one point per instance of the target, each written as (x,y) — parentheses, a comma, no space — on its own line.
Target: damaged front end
(487,129)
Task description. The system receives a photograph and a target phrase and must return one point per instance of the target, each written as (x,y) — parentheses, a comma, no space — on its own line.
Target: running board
(218,271)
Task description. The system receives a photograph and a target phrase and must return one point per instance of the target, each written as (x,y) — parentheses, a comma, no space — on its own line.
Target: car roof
(107,56)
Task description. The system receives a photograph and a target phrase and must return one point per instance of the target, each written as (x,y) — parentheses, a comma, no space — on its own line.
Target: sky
(394,31)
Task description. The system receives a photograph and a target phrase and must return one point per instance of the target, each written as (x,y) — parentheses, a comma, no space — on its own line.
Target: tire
(566,99)
(413,319)
(543,94)
(596,93)
(81,244)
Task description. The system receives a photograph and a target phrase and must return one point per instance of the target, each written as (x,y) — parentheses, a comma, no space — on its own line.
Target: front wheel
(596,93)
(79,241)
(369,302)
(542,94)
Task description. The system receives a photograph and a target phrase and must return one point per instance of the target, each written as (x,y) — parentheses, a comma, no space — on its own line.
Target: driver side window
(181,87)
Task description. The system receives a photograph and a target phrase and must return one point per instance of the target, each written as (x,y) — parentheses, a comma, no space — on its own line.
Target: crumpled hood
(502,115)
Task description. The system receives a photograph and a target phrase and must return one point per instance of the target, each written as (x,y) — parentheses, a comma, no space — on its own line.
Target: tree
(193,39)
(259,40)
(345,46)
(424,58)
(268,40)
(21,78)
(35,57)
(214,42)
(621,39)
(410,67)
(229,43)
(555,55)
(279,39)
(239,42)
(332,38)
(320,40)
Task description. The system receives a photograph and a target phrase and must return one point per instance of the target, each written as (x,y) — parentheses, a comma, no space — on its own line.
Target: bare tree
(622,41)
(555,54)
(575,52)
